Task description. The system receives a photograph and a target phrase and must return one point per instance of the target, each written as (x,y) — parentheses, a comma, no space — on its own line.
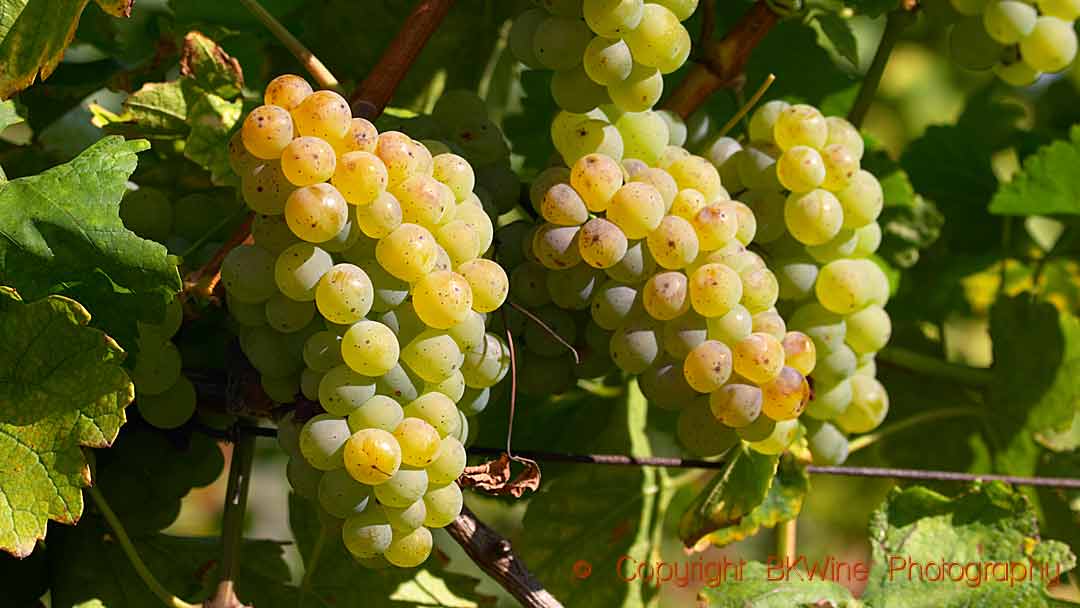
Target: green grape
(716,225)
(637,209)
(722,154)
(299,269)
(666,295)
(1068,10)
(241,161)
(157,368)
(248,274)
(826,328)
(409,550)
(636,345)
(280,389)
(835,366)
(443,503)
(1051,46)
(613,304)
(677,130)
(868,408)
(574,91)
(971,47)
(595,178)
(867,365)
(449,464)
(402,489)
(657,40)
(367,534)
(303,478)
(488,283)
(661,180)
(698,173)
(322,441)
(770,322)
(486,364)
(361,177)
(477,219)
(406,519)
(785,396)
(272,233)
(756,167)
(474,401)
(432,355)
(541,376)
(248,315)
(830,399)
(521,37)
(398,384)
(148,213)
(644,135)
(540,340)
(800,169)
(759,429)
(633,166)
(840,246)
(436,409)
(763,120)
(607,61)
(341,495)
(572,289)
(1008,21)
(324,114)
(969,7)
(687,203)
(827,444)
(708,366)
(316,213)
(813,218)
(288,435)
(528,285)
(419,442)
(800,352)
(758,357)
(559,42)
(783,435)
(556,246)
(287,315)
(683,334)
(370,348)
(342,390)
(264,347)
(1017,73)
(169,325)
(635,266)
(714,290)
(664,385)
(760,289)
(408,253)
(501,182)
(563,206)
(674,243)
(868,330)
(344,294)
(170,408)
(736,405)
(867,240)
(266,131)
(843,286)
(841,166)
(588,136)
(309,383)
(640,90)
(307,161)
(613,18)
(469,333)
(378,412)
(362,136)
(732,327)
(800,125)
(701,433)
(373,456)
(767,209)
(861,201)
(796,279)
(346,238)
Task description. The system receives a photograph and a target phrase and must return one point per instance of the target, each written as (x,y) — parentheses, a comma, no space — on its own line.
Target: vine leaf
(210,66)
(990,523)
(838,31)
(732,494)
(63,387)
(909,222)
(1047,184)
(782,503)
(757,585)
(34,34)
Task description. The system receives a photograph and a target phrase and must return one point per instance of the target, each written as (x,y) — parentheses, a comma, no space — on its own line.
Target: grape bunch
(1019,40)
(365,290)
(165,397)
(604,51)
(816,211)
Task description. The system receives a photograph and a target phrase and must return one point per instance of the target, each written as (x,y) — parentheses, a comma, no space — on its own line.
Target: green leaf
(339,581)
(838,31)
(595,515)
(159,109)
(64,224)
(909,222)
(872,8)
(212,120)
(531,138)
(87,565)
(731,495)
(782,503)
(757,585)
(990,523)
(62,388)
(210,66)
(1048,183)
(9,115)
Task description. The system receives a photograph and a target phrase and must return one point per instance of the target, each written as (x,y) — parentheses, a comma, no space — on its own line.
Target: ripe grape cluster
(365,291)
(816,211)
(604,51)
(1020,40)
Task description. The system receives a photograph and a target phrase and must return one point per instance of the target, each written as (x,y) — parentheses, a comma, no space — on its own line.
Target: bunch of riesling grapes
(816,211)
(1019,39)
(365,290)
(604,51)
(639,135)
(656,254)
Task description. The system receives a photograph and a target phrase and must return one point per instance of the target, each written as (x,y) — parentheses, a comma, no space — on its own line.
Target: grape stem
(375,91)
(232,525)
(895,23)
(548,329)
(966,375)
(787,537)
(749,105)
(722,62)
(311,63)
(121,536)
(864,441)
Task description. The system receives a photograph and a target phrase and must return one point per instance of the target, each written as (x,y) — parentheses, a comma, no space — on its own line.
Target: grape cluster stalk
(365,290)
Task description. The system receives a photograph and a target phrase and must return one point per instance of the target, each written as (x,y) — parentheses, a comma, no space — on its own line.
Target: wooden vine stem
(496,557)
(376,90)
(723,61)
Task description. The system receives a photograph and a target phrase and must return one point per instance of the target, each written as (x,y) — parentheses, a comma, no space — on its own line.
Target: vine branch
(895,23)
(311,63)
(232,526)
(496,557)
(722,62)
(376,90)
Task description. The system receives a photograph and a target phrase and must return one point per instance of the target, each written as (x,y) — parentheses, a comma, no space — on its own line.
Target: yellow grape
(813,218)
(601,243)
(800,169)
(360,177)
(785,396)
(316,213)
(323,114)
(674,243)
(747,222)
(370,348)
(408,253)
(758,357)
(661,180)
(697,173)
(266,131)
(799,352)
(372,456)
(488,283)
(455,172)
(344,294)
(442,299)
(708,366)
(842,132)
(841,166)
(459,241)
(265,188)
(478,220)
(665,295)
(687,203)
(636,209)
(419,442)
(714,290)
(286,91)
(360,137)
(556,247)
(399,154)
(800,125)
(716,225)
(424,200)
(308,160)
(562,205)
(596,178)
(379,218)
